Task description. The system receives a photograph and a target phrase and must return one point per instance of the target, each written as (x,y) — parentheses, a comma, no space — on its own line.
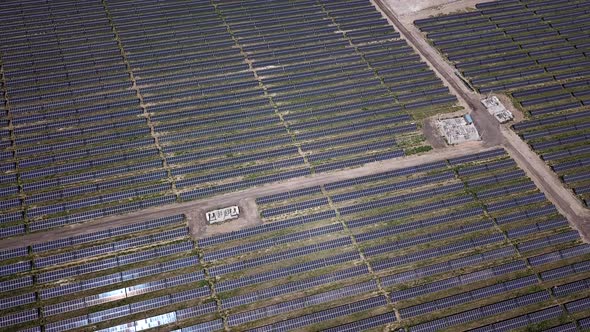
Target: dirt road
(200,206)
(492,133)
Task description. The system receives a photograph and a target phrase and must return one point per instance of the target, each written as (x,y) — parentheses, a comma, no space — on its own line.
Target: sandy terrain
(200,228)
(410,10)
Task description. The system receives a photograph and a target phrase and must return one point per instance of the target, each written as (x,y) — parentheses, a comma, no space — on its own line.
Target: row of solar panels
(50,222)
(69,179)
(124,276)
(171,317)
(466,297)
(93,214)
(294,286)
(301,303)
(515,19)
(546,132)
(263,179)
(81,189)
(362,236)
(72,53)
(101,264)
(337,243)
(93,201)
(67,115)
(460,280)
(128,309)
(288,194)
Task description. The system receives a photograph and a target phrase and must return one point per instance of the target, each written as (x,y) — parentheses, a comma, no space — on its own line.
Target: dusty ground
(410,10)
(200,228)
(432,135)
(507,102)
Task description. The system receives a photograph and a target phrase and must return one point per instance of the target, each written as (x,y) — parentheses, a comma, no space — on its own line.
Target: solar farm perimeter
(111,108)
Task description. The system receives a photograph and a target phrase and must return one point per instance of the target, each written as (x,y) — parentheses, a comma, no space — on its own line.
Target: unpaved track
(233,198)
(493,134)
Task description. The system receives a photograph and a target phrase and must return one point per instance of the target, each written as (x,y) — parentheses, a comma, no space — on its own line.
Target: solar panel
(578,305)
(16,283)
(14,268)
(12,253)
(19,317)
(327,314)
(196,310)
(203,327)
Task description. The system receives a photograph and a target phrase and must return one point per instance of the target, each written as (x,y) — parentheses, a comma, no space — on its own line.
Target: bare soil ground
(432,135)
(408,11)
(507,102)
(200,228)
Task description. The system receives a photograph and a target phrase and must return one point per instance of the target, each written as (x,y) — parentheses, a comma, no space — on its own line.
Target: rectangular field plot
(465,228)
(79,134)
(148,267)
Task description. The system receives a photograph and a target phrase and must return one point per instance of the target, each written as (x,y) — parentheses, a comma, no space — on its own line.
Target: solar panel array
(87,272)
(558,133)
(308,262)
(79,135)
(107,109)
(303,266)
(117,105)
(512,44)
(538,51)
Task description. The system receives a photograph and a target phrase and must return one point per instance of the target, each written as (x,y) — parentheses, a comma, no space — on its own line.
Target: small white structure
(458,130)
(497,109)
(221,215)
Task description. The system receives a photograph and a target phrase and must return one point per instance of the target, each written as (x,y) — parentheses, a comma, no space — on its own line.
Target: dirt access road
(492,133)
(244,198)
